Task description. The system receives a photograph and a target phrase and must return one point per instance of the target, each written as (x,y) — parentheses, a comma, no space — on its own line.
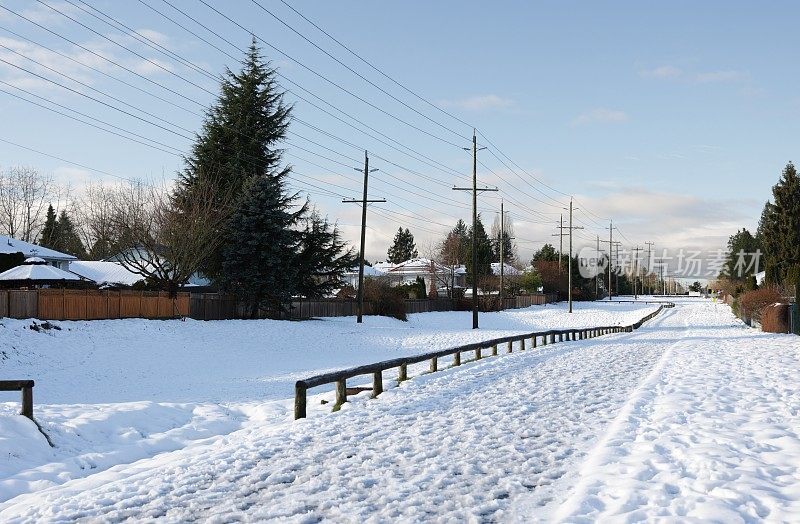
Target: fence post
(434,364)
(341,393)
(299,400)
(494,350)
(457,358)
(478,355)
(510,347)
(403,373)
(522,344)
(27,402)
(377,383)
(533,342)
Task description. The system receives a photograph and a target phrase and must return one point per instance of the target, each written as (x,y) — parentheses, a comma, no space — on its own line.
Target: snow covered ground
(693,416)
(113,392)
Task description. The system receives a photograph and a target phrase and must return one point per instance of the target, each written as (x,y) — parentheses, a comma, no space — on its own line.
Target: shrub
(386,300)
(752,303)
(775,318)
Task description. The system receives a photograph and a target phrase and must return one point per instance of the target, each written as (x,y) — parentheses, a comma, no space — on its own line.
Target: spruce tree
(403,247)
(49,230)
(484,253)
(259,260)
(238,148)
(786,227)
(323,257)
(66,237)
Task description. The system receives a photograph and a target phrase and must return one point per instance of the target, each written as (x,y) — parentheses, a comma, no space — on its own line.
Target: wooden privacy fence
(75,304)
(541,338)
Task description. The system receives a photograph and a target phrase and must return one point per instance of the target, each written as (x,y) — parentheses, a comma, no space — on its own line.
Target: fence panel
(23,304)
(4,303)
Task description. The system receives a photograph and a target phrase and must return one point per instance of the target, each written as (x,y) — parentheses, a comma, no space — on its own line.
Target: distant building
(51,257)
(443,277)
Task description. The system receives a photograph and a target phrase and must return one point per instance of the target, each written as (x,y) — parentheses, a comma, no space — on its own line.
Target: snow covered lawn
(692,416)
(113,392)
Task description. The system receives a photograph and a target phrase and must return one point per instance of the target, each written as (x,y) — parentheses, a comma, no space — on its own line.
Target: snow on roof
(105,272)
(507,269)
(37,272)
(12,245)
(35,260)
(368,271)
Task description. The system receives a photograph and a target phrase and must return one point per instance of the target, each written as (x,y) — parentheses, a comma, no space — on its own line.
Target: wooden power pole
(364,201)
(474,190)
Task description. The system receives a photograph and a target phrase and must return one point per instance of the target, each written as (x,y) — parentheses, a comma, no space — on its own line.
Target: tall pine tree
(403,247)
(785,228)
(49,230)
(237,150)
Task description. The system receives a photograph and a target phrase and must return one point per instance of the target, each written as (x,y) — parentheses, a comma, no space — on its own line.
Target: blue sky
(674,119)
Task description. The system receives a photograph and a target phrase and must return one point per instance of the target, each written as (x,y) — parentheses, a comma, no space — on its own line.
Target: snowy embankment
(109,393)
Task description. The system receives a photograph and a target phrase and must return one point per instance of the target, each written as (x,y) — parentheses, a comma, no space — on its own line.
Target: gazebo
(35,272)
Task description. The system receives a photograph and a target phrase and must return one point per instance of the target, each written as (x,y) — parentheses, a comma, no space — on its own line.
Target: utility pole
(502,242)
(649,245)
(364,201)
(611,229)
(474,190)
(560,242)
(636,271)
(569,268)
(597,269)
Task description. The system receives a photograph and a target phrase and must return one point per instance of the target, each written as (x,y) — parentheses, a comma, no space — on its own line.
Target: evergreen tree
(785,228)
(402,248)
(66,237)
(484,253)
(49,230)
(259,260)
(546,254)
(323,257)
(742,252)
(237,150)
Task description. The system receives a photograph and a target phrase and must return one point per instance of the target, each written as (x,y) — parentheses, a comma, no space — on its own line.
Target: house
(444,277)
(51,257)
(508,270)
(106,274)
(141,254)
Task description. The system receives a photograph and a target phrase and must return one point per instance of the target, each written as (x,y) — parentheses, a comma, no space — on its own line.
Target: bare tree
(93,212)
(24,196)
(165,245)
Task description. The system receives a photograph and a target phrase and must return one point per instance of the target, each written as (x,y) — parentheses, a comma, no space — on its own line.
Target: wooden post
(457,358)
(533,342)
(299,400)
(522,345)
(478,354)
(403,373)
(377,383)
(434,364)
(510,347)
(494,350)
(27,402)
(341,393)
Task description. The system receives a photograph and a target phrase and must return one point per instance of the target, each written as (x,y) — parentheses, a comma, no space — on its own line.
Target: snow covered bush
(384,299)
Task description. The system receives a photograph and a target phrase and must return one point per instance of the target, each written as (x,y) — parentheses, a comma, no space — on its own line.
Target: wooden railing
(26,387)
(540,338)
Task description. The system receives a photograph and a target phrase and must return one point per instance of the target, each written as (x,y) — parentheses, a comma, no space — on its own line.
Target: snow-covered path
(463,443)
(693,415)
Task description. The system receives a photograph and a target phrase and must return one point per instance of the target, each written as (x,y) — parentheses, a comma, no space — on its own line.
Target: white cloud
(600,115)
(478,103)
(665,71)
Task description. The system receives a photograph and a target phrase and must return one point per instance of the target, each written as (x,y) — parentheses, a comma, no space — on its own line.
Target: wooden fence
(542,338)
(74,304)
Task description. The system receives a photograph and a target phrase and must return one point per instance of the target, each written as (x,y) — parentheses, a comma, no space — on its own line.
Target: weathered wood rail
(539,338)
(26,387)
